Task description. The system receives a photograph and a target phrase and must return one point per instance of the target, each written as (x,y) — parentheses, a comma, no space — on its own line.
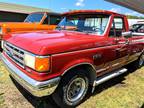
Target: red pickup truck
(88,48)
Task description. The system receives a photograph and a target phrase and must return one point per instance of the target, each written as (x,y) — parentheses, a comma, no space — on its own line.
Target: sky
(66,5)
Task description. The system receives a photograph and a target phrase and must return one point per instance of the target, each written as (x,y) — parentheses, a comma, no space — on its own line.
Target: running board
(108,77)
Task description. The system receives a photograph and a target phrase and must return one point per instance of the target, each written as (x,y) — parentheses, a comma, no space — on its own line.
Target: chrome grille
(14,53)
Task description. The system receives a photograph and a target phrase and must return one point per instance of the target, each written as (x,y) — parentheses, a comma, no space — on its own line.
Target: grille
(14,53)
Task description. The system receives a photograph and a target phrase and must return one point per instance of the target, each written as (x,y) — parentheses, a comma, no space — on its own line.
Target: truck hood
(54,42)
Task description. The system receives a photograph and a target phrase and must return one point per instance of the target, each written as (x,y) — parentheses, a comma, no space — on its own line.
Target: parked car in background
(138,29)
(34,22)
(88,48)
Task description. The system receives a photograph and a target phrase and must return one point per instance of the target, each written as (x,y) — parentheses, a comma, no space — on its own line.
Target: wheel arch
(90,70)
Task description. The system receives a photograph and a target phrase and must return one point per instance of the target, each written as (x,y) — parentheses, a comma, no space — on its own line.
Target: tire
(72,89)
(140,62)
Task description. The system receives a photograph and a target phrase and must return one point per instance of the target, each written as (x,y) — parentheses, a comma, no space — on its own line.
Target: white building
(134,21)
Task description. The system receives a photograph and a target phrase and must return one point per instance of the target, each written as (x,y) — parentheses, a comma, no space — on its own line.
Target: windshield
(35,17)
(85,23)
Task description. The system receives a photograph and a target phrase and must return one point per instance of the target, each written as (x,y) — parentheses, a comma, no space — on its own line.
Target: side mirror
(127,34)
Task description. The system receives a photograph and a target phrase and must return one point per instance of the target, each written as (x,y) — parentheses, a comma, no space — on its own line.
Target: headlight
(38,63)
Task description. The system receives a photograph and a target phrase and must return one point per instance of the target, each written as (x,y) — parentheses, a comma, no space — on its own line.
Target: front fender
(76,63)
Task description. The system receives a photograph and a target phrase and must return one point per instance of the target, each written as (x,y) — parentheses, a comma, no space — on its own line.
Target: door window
(117,27)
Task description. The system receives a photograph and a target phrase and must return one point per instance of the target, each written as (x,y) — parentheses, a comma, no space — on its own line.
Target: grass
(126,91)
(1,98)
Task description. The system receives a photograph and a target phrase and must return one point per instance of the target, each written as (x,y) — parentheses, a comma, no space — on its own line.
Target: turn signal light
(42,64)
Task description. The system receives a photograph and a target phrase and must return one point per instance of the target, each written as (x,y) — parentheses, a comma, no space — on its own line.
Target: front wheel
(72,89)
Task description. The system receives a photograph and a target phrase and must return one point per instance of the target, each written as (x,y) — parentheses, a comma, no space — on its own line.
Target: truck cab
(87,48)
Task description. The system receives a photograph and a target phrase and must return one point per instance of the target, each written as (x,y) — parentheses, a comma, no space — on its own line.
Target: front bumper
(0,46)
(36,88)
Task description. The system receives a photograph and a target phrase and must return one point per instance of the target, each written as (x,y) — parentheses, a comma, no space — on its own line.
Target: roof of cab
(90,12)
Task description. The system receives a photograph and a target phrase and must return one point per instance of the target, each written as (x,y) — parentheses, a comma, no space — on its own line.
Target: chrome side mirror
(127,34)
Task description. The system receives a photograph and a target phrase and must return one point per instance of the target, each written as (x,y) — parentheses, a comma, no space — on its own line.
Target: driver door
(121,49)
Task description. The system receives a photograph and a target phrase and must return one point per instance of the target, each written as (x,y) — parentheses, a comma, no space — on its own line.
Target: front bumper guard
(36,88)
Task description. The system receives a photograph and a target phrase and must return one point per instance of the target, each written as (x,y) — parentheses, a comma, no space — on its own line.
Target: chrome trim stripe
(84,63)
(90,49)
(102,69)
(116,64)
(138,40)
(137,34)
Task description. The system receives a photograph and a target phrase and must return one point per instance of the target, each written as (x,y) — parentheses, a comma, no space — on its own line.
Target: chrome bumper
(36,88)
(0,46)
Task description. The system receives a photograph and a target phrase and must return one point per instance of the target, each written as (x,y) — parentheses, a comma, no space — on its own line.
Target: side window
(117,27)
(54,20)
(118,23)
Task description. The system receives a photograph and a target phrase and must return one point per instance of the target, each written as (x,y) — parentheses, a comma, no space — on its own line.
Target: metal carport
(137,5)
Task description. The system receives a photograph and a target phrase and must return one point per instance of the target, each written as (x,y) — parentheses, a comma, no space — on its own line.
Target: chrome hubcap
(76,89)
(141,62)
